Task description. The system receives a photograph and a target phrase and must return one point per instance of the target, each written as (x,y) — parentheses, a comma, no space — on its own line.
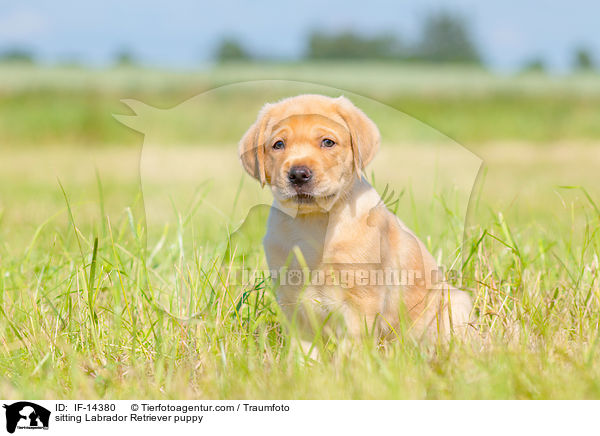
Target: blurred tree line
(445,37)
(17,55)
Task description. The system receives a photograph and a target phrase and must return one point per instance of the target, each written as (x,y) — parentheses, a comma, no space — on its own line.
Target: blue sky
(183,33)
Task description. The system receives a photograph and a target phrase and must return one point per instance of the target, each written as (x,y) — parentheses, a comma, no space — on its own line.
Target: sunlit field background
(113,277)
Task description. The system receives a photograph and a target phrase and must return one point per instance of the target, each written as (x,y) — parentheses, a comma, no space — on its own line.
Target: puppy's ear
(252,147)
(364,134)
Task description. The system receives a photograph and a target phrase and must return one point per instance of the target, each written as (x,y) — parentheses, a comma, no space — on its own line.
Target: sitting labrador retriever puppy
(345,263)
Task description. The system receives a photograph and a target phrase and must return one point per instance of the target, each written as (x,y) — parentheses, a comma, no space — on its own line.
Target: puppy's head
(309,149)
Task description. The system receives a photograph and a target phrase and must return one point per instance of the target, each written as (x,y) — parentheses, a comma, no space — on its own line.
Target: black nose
(299,175)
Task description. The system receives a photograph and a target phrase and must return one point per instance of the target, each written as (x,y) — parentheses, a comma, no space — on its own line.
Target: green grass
(94,307)
(108,293)
(46,106)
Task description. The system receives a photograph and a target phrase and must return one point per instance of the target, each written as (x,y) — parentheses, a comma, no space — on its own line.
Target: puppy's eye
(279,145)
(327,143)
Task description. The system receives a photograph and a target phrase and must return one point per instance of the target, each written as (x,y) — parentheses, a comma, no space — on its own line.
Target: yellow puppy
(344,261)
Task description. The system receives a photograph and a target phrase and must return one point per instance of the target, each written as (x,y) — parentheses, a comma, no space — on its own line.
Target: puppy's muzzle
(299,175)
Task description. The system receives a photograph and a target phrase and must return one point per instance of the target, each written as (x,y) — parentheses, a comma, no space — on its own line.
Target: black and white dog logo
(26,415)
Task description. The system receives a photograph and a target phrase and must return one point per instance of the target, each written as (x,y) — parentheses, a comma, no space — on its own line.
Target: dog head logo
(26,415)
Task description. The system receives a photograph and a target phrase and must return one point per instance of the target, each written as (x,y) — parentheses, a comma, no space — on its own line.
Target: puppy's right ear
(252,147)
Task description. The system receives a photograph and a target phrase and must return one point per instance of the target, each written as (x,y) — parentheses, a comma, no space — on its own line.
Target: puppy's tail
(449,316)
(456,312)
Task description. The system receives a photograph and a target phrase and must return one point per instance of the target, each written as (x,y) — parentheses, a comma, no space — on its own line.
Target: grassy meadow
(113,282)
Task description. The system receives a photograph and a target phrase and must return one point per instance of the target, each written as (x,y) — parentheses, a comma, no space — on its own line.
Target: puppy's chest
(321,241)
(286,234)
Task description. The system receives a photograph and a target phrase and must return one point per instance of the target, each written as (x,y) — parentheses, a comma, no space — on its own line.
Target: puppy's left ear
(252,147)
(364,134)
